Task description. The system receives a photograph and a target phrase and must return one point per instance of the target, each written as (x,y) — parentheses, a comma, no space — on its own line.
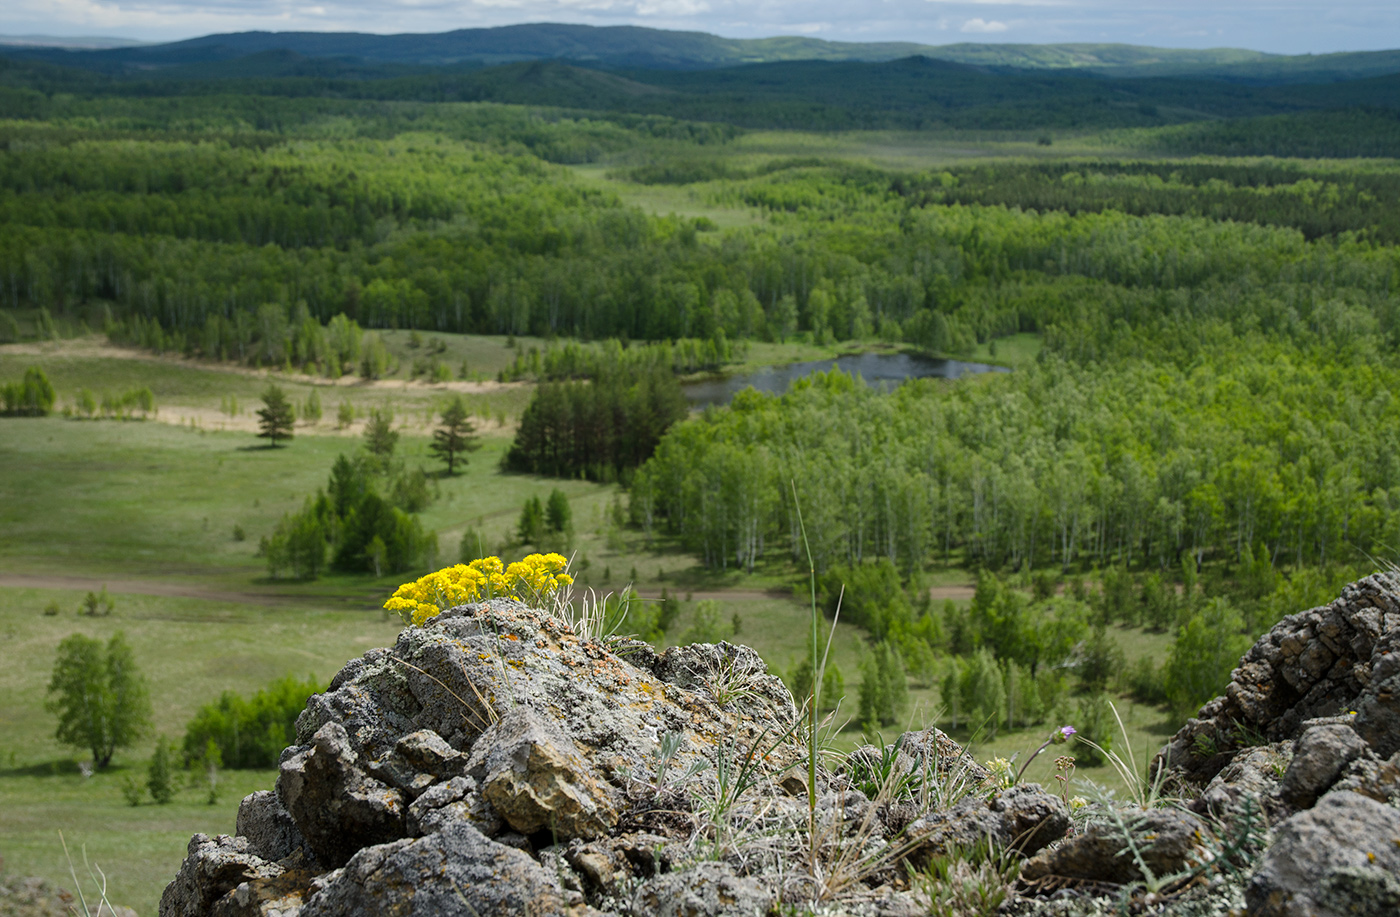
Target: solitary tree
(455,437)
(380,437)
(99,696)
(557,514)
(276,418)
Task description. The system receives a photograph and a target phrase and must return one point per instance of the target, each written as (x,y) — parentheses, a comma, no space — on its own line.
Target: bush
(708,626)
(1143,680)
(249,732)
(32,397)
(1094,722)
(158,776)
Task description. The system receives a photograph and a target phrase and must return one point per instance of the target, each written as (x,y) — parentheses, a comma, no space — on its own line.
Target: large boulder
(487,733)
(1341,857)
(454,871)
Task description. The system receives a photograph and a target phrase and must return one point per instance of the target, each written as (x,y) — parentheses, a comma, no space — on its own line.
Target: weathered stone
(418,760)
(1310,665)
(1341,857)
(459,799)
(456,871)
(1168,841)
(337,807)
(268,826)
(932,749)
(1378,709)
(1253,775)
(536,779)
(706,890)
(1319,757)
(1022,819)
(213,868)
(1370,776)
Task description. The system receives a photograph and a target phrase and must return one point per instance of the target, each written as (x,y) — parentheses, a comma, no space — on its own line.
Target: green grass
(190,651)
(1014,350)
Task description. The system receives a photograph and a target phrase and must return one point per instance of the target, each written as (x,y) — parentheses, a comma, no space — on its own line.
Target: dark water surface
(879,370)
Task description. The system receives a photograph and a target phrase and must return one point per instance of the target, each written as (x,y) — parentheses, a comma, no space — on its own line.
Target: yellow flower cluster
(534,579)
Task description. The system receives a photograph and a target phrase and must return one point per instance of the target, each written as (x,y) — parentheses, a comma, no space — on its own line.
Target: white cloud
(983,27)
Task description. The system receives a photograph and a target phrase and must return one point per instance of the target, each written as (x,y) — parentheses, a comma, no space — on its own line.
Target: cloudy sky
(1285,26)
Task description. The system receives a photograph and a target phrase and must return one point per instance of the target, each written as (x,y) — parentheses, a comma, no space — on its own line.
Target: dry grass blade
(491,717)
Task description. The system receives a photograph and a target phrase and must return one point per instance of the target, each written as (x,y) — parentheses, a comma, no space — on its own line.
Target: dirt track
(146,587)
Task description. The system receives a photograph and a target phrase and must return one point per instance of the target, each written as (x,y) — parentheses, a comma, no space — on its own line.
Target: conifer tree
(455,437)
(276,417)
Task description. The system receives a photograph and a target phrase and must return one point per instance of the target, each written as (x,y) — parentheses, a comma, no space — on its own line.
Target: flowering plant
(535,579)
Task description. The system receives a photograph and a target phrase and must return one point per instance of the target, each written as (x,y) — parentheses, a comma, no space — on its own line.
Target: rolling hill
(637,48)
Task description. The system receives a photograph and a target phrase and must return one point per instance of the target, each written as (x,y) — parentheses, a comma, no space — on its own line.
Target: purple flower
(1062,734)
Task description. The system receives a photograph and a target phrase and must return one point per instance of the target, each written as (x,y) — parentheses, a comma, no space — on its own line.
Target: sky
(1279,26)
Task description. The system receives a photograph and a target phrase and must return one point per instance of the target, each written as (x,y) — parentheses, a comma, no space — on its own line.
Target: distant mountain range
(85,43)
(634,48)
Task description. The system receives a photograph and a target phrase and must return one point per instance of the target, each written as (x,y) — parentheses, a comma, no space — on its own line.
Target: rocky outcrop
(1308,733)
(494,761)
(1322,663)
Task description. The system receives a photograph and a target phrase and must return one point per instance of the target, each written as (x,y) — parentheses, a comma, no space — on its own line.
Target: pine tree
(380,437)
(557,514)
(455,437)
(276,418)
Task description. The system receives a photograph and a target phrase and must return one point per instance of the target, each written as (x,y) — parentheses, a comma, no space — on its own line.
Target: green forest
(1194,283)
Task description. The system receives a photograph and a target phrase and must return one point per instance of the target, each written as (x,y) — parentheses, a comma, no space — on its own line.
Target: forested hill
(915,93)
(633,47)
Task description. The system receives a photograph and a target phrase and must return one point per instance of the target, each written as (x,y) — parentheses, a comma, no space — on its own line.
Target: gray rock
(459,799)
(1024,818)
(706,890)
(534,776)
(417,761)
(932,749)
(1168,840)
(1253,775)
(456,871)
(1370,776)
(213,868)
(336,806)
(268,827)
(1341,857)
(1319,757)
(1378,709)
(1312,664)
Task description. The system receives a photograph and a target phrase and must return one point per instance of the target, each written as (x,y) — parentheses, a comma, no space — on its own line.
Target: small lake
(879,370)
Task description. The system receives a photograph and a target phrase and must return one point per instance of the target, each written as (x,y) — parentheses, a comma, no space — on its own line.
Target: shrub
(1094,723)
(249,732)
(707,626)
(1207,648)
(158,777)
(31,397)
(884,689)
